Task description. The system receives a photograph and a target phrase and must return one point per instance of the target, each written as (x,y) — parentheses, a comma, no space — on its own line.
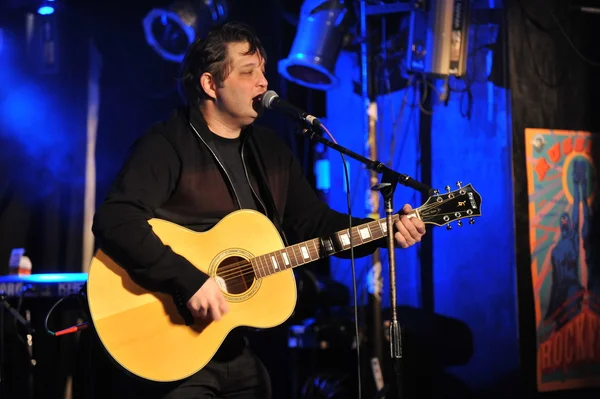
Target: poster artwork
(565,270)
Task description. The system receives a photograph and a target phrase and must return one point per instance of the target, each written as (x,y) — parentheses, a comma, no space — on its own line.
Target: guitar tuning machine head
(448,227)
(459,184)
(447,188)
(471,221)
(459,223)
(436,192)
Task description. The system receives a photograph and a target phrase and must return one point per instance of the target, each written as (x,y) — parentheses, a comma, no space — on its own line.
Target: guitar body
(144,332)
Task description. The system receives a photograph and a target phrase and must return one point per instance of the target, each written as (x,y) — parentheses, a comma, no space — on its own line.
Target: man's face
(239,94)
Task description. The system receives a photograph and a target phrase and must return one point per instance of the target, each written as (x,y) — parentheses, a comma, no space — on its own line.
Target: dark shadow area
(54,357)
(322,361)
(553,58)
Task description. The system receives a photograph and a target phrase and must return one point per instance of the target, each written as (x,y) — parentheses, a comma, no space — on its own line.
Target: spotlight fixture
(318,41)
(170,31)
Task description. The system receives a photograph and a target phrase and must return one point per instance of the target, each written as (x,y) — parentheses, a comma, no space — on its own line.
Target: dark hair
(209,54)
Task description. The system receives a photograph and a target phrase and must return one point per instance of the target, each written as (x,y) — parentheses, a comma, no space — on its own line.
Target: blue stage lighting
(46,10)
(318,42)
(170,31)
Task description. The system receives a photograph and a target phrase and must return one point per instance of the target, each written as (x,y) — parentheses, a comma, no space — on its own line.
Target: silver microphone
(271,100)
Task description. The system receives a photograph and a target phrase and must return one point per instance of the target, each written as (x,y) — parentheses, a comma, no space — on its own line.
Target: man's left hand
(408,230)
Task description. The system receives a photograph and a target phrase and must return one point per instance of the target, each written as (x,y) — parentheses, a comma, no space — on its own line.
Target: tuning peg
(459,223)
(471,221)
(459,184)
(447,188)
(448,227)
(436,192)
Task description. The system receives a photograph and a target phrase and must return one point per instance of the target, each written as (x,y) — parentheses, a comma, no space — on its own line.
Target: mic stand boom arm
(389,175)
(4,304)
(386,187)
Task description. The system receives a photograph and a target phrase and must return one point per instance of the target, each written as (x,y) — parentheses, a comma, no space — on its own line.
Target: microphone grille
(268,99)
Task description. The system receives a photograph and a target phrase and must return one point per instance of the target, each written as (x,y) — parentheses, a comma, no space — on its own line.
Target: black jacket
(174,173)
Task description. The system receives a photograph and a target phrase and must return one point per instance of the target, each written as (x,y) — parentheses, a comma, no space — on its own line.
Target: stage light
(438,38)
(318,41)
(46,10)
(170,31)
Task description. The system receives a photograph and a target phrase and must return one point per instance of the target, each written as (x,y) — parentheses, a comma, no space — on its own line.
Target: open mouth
(257,104)
(257,99)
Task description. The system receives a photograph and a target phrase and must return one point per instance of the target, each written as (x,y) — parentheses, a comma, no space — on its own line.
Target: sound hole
(235,275)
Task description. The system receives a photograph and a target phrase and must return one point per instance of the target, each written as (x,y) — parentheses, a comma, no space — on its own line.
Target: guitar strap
(276,216)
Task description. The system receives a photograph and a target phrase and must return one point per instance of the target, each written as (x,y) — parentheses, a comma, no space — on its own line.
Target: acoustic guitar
(145,333)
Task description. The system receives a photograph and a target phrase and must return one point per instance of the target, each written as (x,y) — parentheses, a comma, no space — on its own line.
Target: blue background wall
(474,266)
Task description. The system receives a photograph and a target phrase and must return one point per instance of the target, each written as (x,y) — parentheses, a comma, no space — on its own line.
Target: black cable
(18,309)
(50,312)
(575,49)
(27,287)
(53,333)
(468,112)
(424,93)
(353,267)
(533,20)
(525,16)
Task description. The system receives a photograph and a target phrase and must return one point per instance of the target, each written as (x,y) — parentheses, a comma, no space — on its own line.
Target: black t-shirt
(229,151)
(230,154)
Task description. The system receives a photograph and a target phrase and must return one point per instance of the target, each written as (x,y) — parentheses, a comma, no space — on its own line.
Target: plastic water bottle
(19,264)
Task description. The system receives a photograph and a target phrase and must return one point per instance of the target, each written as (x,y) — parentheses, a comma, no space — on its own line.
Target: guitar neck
(319,248)
(439,210)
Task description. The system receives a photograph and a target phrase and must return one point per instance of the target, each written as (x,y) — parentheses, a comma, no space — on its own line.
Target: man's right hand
(208,303)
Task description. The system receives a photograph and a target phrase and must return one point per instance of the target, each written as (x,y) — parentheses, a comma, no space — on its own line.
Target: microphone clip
(310,131)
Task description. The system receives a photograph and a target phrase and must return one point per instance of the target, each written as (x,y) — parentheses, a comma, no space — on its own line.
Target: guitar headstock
(441,209)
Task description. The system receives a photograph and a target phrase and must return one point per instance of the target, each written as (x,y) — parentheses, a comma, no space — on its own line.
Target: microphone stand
(4,304)
(386,187)
(377,166)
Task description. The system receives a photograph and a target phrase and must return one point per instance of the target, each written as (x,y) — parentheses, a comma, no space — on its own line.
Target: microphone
(271,100)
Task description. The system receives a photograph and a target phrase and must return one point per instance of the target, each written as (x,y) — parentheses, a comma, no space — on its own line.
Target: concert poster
(561,178)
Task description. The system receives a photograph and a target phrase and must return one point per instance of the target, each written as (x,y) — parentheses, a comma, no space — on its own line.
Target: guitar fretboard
(318,248)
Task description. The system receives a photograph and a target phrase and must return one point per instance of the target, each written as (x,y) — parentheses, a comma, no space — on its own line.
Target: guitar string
(234,266)
(232,270)
(243,268)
